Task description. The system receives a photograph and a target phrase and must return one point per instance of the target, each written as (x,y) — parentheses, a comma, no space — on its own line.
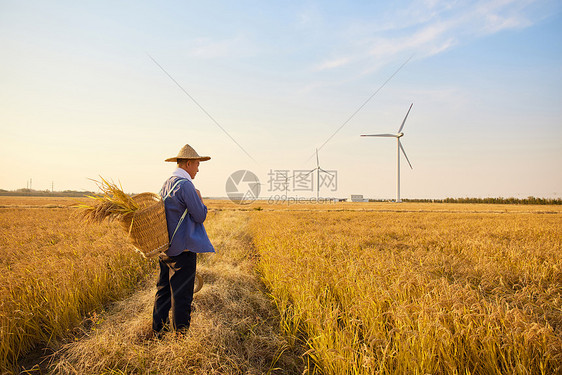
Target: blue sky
(80,96)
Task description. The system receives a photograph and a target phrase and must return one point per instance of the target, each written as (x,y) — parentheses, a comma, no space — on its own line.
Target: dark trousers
(174,291)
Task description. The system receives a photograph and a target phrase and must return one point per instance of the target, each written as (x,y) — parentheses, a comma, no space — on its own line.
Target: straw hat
(188,153)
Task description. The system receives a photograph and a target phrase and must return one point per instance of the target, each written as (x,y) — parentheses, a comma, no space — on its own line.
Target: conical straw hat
(188,153)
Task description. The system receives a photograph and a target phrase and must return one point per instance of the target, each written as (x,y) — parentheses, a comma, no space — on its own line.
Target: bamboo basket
(147,228)
(142,216)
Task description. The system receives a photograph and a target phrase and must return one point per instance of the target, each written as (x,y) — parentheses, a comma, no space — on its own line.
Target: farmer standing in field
(185,214)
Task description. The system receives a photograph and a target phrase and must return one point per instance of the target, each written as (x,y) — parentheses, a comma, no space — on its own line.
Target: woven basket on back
(147,227)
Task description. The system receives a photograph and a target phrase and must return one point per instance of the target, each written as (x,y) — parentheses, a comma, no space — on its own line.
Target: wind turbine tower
(398,135)
(318,169)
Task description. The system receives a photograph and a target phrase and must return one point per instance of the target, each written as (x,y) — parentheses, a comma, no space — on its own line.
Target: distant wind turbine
(317,169)
(400,148)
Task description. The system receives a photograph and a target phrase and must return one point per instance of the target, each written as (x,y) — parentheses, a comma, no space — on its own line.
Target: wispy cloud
(427,28)
(334,63)
(210,48)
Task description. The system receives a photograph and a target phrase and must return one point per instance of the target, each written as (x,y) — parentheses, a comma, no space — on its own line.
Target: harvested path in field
(234,330)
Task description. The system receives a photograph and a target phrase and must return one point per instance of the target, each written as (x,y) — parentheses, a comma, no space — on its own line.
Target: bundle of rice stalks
(142,216)
(111,204)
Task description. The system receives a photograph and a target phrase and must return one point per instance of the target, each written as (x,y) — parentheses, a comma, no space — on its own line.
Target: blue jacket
(191,234)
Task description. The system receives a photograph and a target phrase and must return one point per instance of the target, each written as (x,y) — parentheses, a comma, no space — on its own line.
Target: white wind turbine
(317,169)
(397,136)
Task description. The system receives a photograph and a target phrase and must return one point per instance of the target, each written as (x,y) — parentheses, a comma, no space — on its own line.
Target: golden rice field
(54,271)
(77,291)
(417,292)
(374,288)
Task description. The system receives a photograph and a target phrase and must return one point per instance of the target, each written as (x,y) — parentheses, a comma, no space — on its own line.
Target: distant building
(358,198)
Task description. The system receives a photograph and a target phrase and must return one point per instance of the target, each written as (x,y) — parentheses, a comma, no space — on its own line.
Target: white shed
(358,198)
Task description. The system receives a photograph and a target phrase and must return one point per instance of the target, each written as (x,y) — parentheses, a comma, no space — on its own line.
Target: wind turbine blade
(317,162)
(323,170)
(404,152)
(310,172)
(403,122)
(379,135)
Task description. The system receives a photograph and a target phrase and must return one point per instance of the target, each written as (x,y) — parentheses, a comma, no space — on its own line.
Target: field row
(397,293)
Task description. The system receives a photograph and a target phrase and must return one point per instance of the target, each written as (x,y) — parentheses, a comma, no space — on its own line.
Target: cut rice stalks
(111,204)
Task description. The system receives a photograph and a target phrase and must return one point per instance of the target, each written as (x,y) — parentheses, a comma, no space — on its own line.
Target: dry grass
(234,328)
(417,292)
(53,272)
